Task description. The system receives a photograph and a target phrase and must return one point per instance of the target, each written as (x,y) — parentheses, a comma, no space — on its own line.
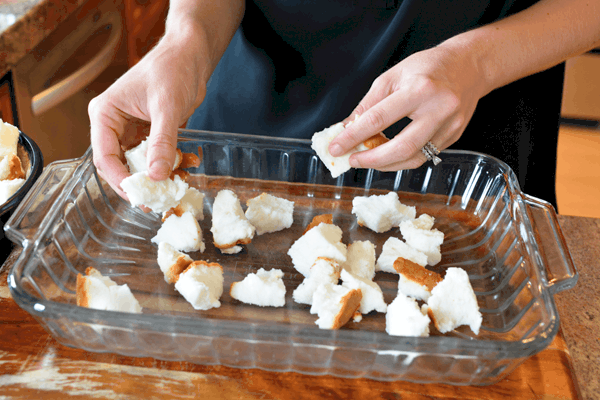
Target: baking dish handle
(560,270)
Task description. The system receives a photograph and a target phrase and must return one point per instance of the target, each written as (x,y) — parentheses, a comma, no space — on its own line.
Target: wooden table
(34,366)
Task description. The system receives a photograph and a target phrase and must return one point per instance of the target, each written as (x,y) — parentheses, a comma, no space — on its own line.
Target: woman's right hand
(153,98)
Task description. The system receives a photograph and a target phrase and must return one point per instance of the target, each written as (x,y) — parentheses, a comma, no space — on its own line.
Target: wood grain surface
(34,365)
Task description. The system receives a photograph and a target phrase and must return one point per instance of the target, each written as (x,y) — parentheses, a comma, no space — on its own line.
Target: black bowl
(33,164)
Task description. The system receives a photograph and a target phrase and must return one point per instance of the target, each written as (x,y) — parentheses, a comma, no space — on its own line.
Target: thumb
(162,144)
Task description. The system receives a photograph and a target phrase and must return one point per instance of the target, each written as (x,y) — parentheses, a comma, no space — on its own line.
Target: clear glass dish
(509,243)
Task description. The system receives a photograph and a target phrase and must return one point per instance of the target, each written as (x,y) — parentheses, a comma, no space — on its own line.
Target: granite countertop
(25,23)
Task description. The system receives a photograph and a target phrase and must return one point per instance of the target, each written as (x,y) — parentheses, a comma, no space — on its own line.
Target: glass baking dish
(509,243)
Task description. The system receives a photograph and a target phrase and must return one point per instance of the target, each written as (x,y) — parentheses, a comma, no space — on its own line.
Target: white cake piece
(324,240)
(360,259)
(420,234)
(9,139)
(230,227)
(405,318)
(269,213)
(11,168)
(192,201)
(102,293)
(201,284)
(394,248)
(323,271)
(380,213)
(183,233)
(137,159)
(453,302)
(171,261)
(339,165)
(415,280)
(263,288)
(159,196)
(334,305)
(8,188)
(372,296)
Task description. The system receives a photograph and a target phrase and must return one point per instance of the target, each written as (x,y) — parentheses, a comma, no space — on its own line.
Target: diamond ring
(431,153)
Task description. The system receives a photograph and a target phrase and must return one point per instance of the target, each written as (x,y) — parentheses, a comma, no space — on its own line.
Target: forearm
(544,35)
(205,27)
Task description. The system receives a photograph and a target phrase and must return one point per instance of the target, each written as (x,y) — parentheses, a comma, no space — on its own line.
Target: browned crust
(184,175)
(432,318)
(350,303)
(318,219)
(337,268)
(190,160)
(200,262)
(81,296)
(260,197)
(177,210)
(91,271)
(174,270)
(178,156)
(15,169)
(376,140)
(230,245)
(417,273)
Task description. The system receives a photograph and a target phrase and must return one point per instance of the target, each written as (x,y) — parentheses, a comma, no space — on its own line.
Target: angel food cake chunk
(394,248)
(335,305)
(171,261)
(201,284)
(159,196)
(323,271)
(102,293)
(324,240)
(263,288)
(453,303)
(381,213)
(183,233)
(230,227)
(420,235)
(341,164)
(269,213)
(415,280)
(137,160)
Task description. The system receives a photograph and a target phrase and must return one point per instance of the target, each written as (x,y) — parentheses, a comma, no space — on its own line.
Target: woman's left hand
(437,89)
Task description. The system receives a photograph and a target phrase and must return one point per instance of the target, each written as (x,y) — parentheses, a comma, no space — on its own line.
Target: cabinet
(145,25)
(6,100)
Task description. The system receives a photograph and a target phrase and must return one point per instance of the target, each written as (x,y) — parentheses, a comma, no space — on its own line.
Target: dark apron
(297,67)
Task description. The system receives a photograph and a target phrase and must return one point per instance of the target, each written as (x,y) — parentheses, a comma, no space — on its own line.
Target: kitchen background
(45,43)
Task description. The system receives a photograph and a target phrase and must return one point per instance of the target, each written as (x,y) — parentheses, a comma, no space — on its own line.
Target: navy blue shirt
(297,67)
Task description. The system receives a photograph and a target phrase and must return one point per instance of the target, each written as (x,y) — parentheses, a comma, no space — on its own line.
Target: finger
(401,148)
(377,118)
(114,182)
(161,147)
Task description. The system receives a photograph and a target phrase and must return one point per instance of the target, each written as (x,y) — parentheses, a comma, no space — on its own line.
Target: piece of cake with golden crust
(183,233)
(334,305)
(171,261)
(341,164)
(324,240)
(96,291)
(372,296)
(415,280)
(230,227)
(394,248)
(453,302)
(201,284)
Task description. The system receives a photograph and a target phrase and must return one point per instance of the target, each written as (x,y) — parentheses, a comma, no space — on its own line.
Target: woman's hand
(154,97)
(437,89)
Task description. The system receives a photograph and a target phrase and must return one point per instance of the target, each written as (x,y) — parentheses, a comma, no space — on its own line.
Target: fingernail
(336,150)
(160,168)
